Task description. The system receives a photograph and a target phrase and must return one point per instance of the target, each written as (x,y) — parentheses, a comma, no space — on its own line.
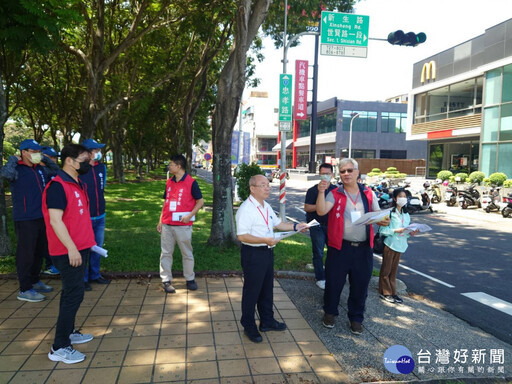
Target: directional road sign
(344,34)
(285,102)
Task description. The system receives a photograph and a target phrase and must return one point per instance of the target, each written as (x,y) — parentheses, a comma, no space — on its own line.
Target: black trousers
(357,263)
(258,289)
(31,249)
(71,297)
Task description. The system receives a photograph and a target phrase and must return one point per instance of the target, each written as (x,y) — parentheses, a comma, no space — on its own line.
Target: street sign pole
(314,111)
(282,181)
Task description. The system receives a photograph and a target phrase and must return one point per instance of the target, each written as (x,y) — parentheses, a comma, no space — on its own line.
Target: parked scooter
(418,204)
(436,191)
(491,201)
(469,197)
(507,210)
(450,195)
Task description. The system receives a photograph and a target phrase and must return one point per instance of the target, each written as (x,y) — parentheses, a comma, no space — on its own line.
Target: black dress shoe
(191,285)
(253,335)
(275,326)
(87,287)
(101,280)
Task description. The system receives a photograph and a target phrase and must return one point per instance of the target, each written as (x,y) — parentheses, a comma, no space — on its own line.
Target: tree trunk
(249,17)
(5,241)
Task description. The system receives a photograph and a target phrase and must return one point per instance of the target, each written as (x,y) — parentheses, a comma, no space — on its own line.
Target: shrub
(497,178)
(402,175)
(476,177)
(486,181)
(391,169)
(451,179)
(444,175)
(376,170)
(462,175)
(243,173)
(371,174)
(507,183)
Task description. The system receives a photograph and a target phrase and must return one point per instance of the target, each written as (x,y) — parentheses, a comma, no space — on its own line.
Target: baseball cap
(92,144)
(49,151)
(30,144)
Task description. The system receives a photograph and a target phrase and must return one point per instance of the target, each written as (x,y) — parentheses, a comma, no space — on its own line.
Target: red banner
(301,90)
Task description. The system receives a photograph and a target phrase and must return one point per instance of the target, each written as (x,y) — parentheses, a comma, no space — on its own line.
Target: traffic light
(409,39)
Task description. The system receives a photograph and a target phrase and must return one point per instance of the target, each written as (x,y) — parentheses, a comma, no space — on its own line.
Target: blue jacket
(27,185)
(94,183)
(396,241)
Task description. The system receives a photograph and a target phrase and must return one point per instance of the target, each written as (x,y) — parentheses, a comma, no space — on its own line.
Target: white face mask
(98,156)
(35,158)
(401,201)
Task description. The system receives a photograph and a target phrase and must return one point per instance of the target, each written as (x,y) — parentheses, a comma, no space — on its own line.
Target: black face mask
(84,168)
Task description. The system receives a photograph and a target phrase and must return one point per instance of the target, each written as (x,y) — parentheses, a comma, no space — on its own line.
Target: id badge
(172,206)
(355,215)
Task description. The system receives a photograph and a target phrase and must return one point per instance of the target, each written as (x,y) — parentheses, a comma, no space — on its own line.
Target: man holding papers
(183,199)
(255,223)
(349,250)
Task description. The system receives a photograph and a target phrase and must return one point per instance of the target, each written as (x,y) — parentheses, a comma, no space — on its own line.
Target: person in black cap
(94,182)
(27,180)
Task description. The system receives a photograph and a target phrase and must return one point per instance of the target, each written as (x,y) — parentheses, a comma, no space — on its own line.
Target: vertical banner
(234,148)
(301,90)
(247,148)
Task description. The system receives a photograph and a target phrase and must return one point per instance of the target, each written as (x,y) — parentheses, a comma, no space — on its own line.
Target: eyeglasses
(262,185)
(350,170)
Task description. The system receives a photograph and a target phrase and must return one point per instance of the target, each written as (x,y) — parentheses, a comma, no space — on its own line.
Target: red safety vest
(335,224)
(76,218)
(180,193)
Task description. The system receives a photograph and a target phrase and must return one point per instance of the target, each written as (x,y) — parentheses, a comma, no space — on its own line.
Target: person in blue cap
(94,182)
(50,269)
(27,180)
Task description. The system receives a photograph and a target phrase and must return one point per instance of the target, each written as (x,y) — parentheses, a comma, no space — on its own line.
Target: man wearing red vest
(70,237)
(183,199)
(349,247)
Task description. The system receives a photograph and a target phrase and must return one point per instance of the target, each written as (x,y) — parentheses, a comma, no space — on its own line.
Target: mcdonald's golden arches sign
(428,72)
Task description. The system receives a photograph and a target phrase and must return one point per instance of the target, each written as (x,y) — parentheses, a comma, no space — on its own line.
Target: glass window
(365,122)
(437,103)
(266,145)
(507,84)
(490,129)
(420,108)
(392,154)
(493,87)
(488,158)
(506,122)
(327,123)
(462,97)
(267,159)
(363,154)
(479,89)
(505,159)
(303,128)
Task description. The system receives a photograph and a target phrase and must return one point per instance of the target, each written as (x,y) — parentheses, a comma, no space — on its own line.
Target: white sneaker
(79,338)
(67,355)
(320,284)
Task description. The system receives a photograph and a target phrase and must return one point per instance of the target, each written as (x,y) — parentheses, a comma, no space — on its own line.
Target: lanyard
(261,213)
(354,201)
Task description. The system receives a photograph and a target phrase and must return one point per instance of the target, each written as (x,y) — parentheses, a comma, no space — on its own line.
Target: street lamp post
(350,135)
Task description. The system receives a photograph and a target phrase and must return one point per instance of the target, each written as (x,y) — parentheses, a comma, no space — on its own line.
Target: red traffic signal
(409,39)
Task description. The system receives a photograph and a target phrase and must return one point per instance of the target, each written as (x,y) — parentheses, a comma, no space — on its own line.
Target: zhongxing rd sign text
(344,34)
(285,102)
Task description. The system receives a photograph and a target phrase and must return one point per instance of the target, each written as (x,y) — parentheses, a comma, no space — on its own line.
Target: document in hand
(417,227)
(283,235)
(100,251)
(176,216)
(373,217)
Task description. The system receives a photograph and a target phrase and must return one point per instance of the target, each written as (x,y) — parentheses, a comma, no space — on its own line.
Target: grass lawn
(133,243)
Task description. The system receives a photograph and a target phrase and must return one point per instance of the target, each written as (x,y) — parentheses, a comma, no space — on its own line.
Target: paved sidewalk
(142,335)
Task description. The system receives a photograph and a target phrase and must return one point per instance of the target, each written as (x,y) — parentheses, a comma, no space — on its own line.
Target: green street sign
(344,34)
(285,97)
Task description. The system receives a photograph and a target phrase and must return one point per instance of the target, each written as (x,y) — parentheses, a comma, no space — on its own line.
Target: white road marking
(421,274)
(491,301)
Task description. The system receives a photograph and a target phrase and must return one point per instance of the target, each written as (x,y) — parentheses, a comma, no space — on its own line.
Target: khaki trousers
(388,271)
(172,234)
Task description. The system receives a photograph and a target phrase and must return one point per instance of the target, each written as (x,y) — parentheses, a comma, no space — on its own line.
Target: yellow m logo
(428,71)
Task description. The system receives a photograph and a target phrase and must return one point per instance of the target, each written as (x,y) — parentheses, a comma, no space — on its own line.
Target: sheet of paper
(176,216)
(373,217)
(283,235)
(417,227)
(100,251)
(312,223)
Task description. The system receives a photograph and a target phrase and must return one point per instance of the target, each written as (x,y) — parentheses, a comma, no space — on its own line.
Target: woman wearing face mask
(395,244)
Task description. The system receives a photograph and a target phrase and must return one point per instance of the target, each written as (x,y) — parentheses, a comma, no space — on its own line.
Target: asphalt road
(464,264)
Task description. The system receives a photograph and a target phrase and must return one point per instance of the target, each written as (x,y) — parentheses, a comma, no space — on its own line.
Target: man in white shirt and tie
(255,221)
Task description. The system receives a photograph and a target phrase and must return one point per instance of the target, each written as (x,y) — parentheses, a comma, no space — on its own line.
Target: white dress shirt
(255,219)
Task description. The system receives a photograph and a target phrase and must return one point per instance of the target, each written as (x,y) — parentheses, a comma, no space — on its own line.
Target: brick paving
(142,335)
